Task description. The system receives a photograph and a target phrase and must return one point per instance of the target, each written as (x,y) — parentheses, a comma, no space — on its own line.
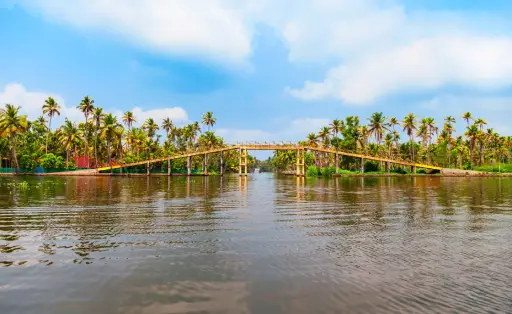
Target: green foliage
(29,161)
(500,168)
(51,161)
(371,166)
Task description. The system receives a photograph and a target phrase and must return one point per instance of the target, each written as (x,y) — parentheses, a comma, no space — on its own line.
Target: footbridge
(243,158)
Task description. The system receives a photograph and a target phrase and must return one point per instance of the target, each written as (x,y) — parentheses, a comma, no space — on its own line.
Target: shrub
(51,161)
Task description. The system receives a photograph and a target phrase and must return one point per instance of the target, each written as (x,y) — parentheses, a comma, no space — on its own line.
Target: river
(260,244)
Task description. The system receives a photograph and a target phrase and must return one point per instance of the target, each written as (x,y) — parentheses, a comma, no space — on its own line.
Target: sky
(270,70)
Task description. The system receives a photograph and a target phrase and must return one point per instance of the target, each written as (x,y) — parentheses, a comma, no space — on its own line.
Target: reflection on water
(255,245)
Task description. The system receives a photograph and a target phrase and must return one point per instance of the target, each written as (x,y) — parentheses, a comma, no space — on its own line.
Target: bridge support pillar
(242,162)
(388,167)
(189,165)
(300,160)
(221,163)
(147,168)
(205,164)
(169,169)
(121,170)
(362,165)
(413,169)
(337,161)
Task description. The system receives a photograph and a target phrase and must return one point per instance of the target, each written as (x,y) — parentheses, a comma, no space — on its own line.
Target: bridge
(243,158)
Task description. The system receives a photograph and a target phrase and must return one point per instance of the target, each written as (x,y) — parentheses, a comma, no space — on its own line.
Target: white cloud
(31,104)
(380,47)
(212,28)
(424,64)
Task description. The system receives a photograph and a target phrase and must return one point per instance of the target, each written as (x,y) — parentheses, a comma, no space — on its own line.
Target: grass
(502,168)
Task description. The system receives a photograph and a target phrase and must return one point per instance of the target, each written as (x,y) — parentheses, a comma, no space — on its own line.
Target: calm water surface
(256,245)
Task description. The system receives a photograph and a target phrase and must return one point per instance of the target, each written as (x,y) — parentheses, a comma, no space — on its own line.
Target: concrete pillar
(362,165)
(221,163)
(205,164)
(337,161)
(121,170)
(169,169)
(297,164)
(240,162)
(388,167)
(147,168)
(189,165)
(413,169)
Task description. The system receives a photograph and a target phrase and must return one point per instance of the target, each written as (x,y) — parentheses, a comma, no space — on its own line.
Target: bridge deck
(274,147)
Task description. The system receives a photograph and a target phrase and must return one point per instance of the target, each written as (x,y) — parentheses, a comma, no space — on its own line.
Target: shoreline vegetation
(102,139)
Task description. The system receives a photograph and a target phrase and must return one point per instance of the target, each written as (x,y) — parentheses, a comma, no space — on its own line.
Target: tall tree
(110,130)
(209,120)
(471,134)
(129,119)
(467,117)
(86,106)
(409,126)
(337,126)
(97,120)
(167,126)
(50,108)
(12,124)
(151,127)
(68,135)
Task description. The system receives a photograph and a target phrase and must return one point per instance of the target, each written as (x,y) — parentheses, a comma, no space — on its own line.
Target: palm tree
(432,129)
(393,122)
(11,125)
(312,140)
(209,120)
(337,126)
(50,108)
(377,126)
(129,119)
(167,126)
(480,123)
(68,135)
(97,120)
(449,119)
(110,130)
(467,117)
(409,126)
(449,129)
(86,106)
(471,134)
(150,126)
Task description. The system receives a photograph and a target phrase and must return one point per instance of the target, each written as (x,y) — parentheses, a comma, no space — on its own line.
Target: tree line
(425,141)
(101,137)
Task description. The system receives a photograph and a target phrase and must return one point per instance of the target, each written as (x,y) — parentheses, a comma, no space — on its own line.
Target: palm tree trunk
(67,158)
(481,153)
(13,151)
(48,133)
(108,153)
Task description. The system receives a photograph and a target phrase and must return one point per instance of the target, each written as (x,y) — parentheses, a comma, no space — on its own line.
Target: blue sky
(270,70)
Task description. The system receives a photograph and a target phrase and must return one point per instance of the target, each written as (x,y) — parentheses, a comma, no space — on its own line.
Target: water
(260,245)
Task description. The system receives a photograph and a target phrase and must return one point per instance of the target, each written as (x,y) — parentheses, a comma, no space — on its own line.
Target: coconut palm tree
(110,130)
(129,119)
(467,117)
(209,120)
(151,127)
(480,123)
(97,119)
(409,126)
(12,124)
(337,126)
(50,108)
(471,134)
(167,126)
(86,106)
(377,126)
(312,139)
(392,122)
(432,130)
(68,134)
